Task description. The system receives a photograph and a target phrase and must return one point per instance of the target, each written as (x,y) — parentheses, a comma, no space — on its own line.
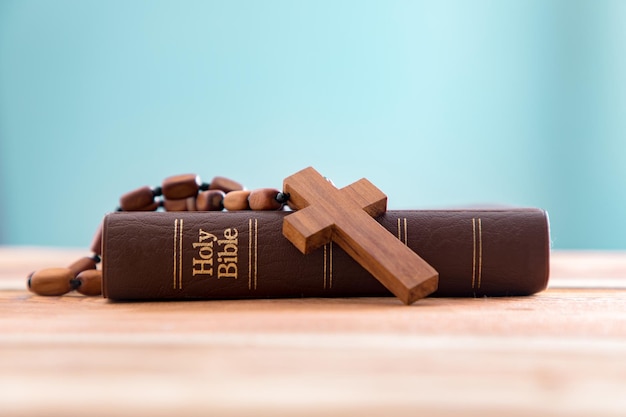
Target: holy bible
(243,254)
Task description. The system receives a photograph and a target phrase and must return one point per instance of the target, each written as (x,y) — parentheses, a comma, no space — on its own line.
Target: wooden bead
(83,264)
(211,200)
(175,205)
(264,199)
(96,243)
(237,200)
(191,203)
(137,199)
(150,207)
(180,186)
(51,281)
(90,282)
(225,184)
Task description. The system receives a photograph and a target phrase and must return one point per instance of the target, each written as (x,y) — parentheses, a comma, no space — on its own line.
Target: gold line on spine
(406,241)
(328,265)
(399,230)
(403,230)
(256,250)
(474,252)
(330,277)
(175,253)
(180,258)
(480,251)
(325,264)
(249,254)
(253,243)
(178,255)
(477,255)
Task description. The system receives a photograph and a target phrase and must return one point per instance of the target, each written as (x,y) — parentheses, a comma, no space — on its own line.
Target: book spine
(208,255)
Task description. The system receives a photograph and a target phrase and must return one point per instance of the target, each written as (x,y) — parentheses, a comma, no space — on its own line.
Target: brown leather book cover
(243,254)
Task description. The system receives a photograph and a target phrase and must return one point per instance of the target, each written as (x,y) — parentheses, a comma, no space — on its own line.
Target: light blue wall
(439,103)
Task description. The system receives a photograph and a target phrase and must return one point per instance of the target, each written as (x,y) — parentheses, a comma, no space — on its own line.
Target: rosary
(322,213)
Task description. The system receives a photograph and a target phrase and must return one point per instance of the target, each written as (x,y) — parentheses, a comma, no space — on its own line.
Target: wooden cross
(345,217)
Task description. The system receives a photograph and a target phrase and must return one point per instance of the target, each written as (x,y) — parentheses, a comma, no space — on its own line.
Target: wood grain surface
(559,353)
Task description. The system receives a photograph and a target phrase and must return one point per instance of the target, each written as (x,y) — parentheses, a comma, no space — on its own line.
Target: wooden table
(562,352)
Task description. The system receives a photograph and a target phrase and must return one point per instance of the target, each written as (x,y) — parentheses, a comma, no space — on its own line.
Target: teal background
(438,103)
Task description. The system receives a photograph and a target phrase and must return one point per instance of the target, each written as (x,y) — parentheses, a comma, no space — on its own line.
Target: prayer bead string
(176,193)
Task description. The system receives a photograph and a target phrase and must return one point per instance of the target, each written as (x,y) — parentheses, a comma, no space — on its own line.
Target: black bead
(282,198)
